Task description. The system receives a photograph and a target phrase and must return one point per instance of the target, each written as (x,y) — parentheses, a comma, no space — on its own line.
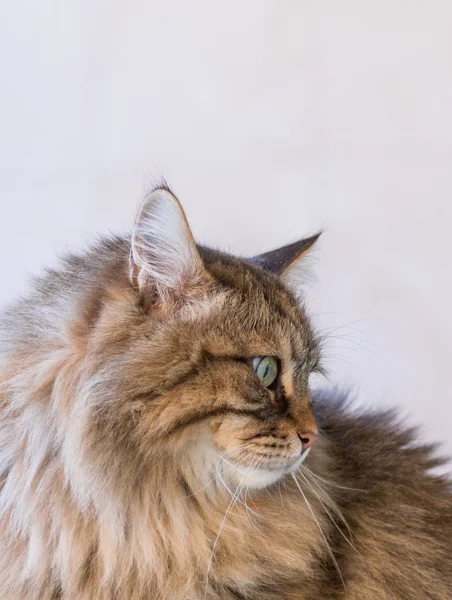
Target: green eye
(266,368)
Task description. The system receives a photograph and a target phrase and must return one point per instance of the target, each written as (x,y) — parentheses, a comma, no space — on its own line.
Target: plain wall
(270,119)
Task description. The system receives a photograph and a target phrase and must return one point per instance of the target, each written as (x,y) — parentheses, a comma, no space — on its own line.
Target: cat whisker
(248,510)
(220,477)
(327,545)
(355,334)
(336,511)
(222,525)
(356,350)
(354,339)
(329,330)
(328,357)
(309,471)
(327,499)
(243,446)
(220,529)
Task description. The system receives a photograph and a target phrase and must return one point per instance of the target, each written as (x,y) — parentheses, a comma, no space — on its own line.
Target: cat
(159,440)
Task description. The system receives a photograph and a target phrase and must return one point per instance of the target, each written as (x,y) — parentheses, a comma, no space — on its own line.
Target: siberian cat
(158,439)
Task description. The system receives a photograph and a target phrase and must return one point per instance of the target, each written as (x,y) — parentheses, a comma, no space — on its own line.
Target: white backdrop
(270,119)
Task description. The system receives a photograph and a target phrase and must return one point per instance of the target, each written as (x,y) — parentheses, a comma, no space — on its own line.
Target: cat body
(146,454)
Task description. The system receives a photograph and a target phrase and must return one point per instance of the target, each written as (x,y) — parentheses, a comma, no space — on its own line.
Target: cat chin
(259,478)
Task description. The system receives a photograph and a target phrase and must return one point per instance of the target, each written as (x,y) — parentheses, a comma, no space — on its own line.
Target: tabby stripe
(208,414)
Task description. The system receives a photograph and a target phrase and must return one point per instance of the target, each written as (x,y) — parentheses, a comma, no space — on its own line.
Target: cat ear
(164,261)
(288,262)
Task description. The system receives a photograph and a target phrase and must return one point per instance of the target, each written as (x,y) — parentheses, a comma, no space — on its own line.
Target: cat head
(203,359)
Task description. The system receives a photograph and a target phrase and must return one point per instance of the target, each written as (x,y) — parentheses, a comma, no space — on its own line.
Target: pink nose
(307,439)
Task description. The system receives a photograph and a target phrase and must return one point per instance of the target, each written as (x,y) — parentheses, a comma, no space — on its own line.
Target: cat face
(207,357)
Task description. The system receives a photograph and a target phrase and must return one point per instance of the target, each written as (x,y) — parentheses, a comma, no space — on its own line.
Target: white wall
(270,119)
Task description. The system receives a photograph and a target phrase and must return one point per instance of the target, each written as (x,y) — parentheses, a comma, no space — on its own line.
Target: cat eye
(266,368)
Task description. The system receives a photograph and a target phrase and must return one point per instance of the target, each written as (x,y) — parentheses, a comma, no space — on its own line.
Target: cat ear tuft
(164,260)
(288,262)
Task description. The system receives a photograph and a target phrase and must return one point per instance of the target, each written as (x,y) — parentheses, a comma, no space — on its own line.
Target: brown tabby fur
(116,402)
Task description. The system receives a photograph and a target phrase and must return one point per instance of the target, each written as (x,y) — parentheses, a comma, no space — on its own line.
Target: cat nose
(307,439)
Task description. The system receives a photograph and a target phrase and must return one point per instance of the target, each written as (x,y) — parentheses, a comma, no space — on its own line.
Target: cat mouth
(265,475)
(293,466)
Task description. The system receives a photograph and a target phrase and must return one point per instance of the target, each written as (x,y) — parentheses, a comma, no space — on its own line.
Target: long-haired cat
(158,439)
